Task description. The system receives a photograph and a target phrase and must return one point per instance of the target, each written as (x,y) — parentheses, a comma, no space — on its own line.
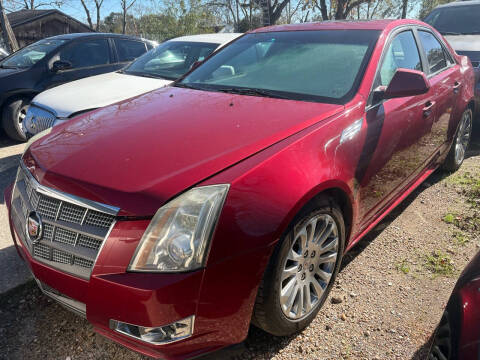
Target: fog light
(156,335)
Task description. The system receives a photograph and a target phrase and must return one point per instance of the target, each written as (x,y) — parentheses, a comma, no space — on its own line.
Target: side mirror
(61,65)
(405,83)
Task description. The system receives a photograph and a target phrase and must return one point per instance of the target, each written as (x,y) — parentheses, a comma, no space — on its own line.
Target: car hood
(94,92)
(139,153)
(464,42)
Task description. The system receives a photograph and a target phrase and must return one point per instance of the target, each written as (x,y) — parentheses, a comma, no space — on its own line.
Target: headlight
(178,235)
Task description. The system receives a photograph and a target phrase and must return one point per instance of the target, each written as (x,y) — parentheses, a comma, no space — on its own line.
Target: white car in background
(155,69)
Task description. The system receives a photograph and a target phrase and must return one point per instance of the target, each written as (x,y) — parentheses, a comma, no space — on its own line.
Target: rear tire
(460,143)
(301,271)
(13,114)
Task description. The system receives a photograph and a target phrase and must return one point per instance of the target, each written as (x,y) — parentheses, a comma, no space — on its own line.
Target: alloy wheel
(463,137)
(309,266)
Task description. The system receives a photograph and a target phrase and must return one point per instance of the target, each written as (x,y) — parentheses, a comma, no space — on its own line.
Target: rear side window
(88,53)
(401,53)
(436,57)
(129,50)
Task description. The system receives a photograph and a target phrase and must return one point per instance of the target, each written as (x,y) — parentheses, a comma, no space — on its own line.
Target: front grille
(73,229)
(38,119)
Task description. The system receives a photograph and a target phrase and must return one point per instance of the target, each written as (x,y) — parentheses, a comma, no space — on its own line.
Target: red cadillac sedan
(173,220)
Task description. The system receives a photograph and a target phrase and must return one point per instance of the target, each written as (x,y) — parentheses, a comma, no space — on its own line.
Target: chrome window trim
(76,200)
(393,33)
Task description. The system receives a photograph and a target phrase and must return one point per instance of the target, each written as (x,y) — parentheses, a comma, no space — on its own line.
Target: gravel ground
(385,304)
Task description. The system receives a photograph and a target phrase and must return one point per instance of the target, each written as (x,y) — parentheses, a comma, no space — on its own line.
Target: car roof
(342,25)
(459,3)
(93,34)
(219,38)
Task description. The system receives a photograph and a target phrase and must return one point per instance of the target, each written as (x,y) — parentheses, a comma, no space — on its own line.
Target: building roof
(24,16)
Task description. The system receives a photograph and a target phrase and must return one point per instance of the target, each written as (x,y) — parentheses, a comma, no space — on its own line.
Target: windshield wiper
(7,67)
(139,73)
(189,86)
(253,92)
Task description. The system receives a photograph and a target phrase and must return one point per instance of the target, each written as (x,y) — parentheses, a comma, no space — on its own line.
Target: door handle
(456,87)
(427,110)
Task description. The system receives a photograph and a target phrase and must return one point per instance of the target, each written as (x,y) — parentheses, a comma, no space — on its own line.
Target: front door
(397,134)
(87,58)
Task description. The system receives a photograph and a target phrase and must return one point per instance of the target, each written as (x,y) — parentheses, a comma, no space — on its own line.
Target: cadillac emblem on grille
(34,227)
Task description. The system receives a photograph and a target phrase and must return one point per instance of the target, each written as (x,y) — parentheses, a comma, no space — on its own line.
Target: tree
(9,40)
(126,5)
(339,9)
(98,6)
(271,11)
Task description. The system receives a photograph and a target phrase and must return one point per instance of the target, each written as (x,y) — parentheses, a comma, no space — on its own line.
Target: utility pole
(7,33)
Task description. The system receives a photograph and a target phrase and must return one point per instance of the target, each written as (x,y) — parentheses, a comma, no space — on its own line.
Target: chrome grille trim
(71,304)
(38,119)
(70,243)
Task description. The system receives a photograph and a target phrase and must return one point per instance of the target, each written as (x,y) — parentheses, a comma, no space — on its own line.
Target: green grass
(439,263)
(459,238)
(470,184)
(403,267)
(449,218)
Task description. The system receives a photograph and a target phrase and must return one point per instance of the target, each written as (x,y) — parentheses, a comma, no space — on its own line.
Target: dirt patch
(388,299)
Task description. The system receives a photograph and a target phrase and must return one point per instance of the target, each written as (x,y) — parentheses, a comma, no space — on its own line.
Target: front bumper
(220,297)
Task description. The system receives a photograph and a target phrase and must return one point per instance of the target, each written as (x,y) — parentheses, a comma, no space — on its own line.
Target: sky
(74,8)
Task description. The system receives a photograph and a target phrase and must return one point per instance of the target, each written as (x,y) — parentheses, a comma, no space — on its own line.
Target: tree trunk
(323,10)
(7,32)
(404,8)
(87,12)
(98,6)
(124,24)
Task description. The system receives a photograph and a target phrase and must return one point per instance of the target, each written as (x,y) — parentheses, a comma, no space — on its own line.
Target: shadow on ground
(8,171)
(14,272)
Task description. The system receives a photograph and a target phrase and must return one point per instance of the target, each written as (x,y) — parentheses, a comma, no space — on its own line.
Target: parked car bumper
(221,316)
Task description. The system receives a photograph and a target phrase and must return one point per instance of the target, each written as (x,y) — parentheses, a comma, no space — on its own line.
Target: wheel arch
(336,191)
(471,106)
(28,93)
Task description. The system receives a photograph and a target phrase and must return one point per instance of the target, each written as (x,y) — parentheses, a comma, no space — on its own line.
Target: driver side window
(401,53)
(89,53)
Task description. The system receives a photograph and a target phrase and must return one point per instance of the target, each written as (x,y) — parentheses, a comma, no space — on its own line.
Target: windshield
(325,65)
(171,59)
(30,55)
(456,20)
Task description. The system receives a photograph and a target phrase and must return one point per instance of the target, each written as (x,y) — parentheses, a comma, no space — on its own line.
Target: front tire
(14,112)
(459,147)
(301,271)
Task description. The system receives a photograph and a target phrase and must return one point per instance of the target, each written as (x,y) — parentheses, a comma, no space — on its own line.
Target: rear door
(398,129)
(445,81)
(88,57)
